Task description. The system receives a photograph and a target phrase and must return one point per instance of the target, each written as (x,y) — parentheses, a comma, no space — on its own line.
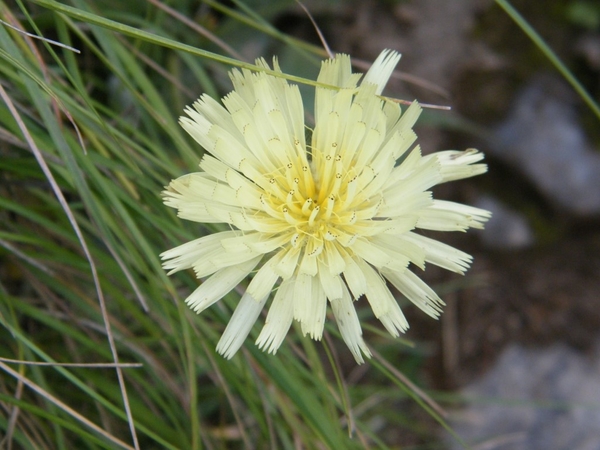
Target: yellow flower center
(318,202)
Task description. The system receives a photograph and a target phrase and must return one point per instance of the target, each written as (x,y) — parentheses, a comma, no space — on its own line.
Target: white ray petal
(248,192)
(375,288)
(240,324)
(451,216)
(353,134)
(401,251)
(403,204)
(310,304)
(354,277)
(212,212)
(392,112)
(333,258)
(417,291)
(423,177)
(263,281)
(186,255)
(349,325)
(382,69)
(222,259)
(337,71)
(300,294)
(255,242)
(223,281)
(214,112)
(384,305)
(331,284)
(456,165)
(394,321)
(308,264)
(279,318)
(287,266)
(409,117)
(440,254)
(367,251)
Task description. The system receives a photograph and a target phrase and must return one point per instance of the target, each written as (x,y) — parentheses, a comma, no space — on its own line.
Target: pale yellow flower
(318,223)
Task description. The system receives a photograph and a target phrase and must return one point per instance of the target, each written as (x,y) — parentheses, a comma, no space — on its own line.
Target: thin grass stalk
(63,406)
(550,54)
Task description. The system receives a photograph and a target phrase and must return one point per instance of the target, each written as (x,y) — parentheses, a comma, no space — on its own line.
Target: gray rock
(508,231)
(542,138)
(534,399)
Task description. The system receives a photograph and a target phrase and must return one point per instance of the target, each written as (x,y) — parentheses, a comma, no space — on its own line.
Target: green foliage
(585,14)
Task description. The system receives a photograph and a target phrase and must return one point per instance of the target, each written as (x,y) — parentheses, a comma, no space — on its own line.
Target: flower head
(322,222)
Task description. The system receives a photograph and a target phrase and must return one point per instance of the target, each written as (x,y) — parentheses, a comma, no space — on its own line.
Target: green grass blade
(549,53)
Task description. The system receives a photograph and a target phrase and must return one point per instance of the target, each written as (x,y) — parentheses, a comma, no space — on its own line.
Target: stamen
(290,173)
(289,218)
(309,185)
(268,207)
(297,190)
(337,182)
(327,172)
(306,207)
(329,207)
(313,215)
(290,198)
(275,189)
(350,191)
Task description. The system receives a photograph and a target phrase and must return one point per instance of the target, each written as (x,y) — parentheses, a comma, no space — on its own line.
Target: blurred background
(514,361)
